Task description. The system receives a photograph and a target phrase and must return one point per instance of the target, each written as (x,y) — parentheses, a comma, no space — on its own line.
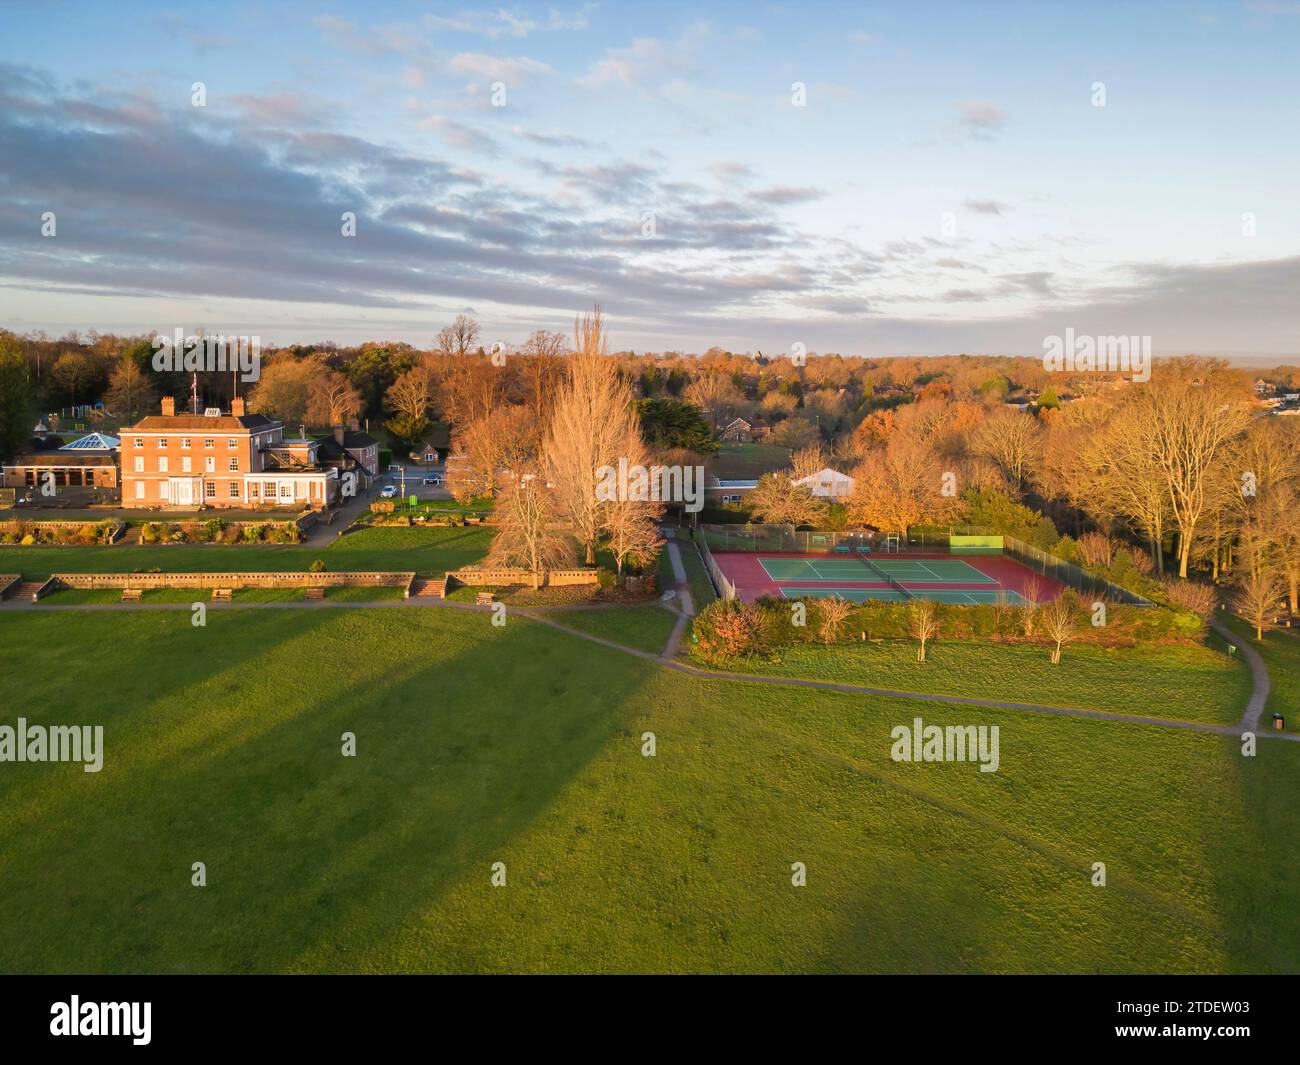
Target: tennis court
(857,576)
(905,571)
(973,597)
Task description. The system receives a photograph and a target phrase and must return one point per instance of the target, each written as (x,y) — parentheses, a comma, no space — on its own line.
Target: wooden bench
(132,595)
(222,595)
(483,599)
(315,593)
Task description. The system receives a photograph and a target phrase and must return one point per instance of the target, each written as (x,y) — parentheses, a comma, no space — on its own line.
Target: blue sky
(948,186)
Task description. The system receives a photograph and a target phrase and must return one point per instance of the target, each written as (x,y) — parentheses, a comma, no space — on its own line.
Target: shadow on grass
(465,734)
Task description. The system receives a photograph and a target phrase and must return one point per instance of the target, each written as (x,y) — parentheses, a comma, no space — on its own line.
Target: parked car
(434,479)
(388,491)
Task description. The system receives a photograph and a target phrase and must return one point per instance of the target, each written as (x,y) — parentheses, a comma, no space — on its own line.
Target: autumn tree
(409,398)
(777,500)
(15,397)
(130,392)
(332,399)
(489,450)
(283,391)
(899,486)
(72,371)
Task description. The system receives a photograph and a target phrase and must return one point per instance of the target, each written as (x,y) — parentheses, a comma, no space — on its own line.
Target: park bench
(222,595)
(315,593)
(132,595)
(483,599)
(843,549)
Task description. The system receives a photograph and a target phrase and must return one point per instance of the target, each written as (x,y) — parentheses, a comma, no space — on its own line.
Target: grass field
(1186,683)
(426,551)
(646,628)
(523,745)
(740,461)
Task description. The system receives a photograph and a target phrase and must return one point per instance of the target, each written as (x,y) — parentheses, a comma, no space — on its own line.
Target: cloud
(783,195)
(497,68)
(993,207)
(553,138)
(647,61)
(982,119)
(459,135)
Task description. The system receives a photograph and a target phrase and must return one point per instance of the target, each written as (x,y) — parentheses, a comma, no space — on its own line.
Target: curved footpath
(666,658)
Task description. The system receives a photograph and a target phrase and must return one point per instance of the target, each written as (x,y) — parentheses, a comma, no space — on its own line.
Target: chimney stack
(169,406)
(338,434)
(237,406)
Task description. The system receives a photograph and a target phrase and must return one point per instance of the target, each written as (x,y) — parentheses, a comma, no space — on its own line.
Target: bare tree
(527,532)
(459,338)
(831,614)
(1060,622)
(1185,418)
(922,623)
(1257,596)
(1013,441)
(806,461)
(489,449)
(633,531)
(592,422)
(130,391)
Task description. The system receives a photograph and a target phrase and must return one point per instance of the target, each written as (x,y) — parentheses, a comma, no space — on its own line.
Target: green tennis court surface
(889,595)
(904,570)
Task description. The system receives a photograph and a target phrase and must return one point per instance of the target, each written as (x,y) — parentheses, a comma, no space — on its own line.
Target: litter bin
(1279,722)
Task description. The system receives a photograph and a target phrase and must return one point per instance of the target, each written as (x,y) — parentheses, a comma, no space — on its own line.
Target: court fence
(724,587)
(757,538)
(1086,584)
(776,538)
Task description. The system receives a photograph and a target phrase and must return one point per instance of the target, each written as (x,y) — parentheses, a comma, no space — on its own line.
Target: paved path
(1251,717)
(666,661)
(686,605)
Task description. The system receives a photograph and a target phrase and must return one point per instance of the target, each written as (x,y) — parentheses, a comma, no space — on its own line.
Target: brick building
(220,460)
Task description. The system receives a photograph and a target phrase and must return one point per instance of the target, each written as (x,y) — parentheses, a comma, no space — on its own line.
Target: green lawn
(1280,650)
(426,551)
(523,745)
(646,628)
(742,461)
(1186,683)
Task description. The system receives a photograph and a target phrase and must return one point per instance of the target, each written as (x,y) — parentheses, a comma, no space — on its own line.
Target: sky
(875,179)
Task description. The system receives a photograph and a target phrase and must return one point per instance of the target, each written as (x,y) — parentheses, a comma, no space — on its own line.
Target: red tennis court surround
(745,570)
